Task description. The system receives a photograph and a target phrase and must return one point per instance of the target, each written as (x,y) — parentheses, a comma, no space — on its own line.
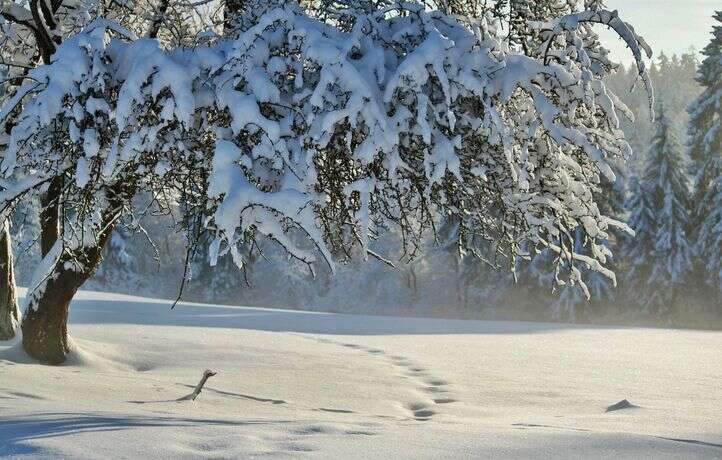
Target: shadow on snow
(17,433)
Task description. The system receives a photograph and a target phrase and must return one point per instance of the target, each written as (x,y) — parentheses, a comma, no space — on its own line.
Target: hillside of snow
(297,384)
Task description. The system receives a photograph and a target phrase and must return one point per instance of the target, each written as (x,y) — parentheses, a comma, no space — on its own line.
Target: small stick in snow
(206,375)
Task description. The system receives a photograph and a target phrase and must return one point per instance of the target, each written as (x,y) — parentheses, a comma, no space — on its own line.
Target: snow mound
(83,354)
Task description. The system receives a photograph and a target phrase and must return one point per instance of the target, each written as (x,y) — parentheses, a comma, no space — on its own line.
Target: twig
(206,375)
(380,258)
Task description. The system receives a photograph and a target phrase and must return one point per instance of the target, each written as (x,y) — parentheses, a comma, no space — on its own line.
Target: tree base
(45,335)
(7,329)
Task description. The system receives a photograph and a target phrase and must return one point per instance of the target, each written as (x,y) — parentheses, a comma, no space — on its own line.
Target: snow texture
(295,384)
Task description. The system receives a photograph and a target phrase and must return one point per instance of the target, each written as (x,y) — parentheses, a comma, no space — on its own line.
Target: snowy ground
(294,384)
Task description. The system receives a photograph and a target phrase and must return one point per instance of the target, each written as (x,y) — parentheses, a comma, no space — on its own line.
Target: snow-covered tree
(579,303)
(660,253)
(705,138)
(708,249)
(21,45)
(296,123)
(30,33)
(611,197)
(25,225)
(572,301)
(705,125)
(571,297)
(221,282)
(639,248)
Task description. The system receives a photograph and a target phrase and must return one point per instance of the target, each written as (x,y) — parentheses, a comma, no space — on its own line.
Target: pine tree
(642,220)
(705,141)
(705,127)
(708,248)
(659,255)
(118,271)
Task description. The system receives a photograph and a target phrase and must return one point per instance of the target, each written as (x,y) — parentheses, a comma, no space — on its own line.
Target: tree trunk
(50,216)
(8,294)
(45,323)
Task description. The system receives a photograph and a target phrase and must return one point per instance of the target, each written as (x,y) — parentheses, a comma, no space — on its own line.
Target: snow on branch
(12,11)
(636,44)
(319,137)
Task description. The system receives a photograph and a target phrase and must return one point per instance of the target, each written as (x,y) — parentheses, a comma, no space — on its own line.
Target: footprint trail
(436,389)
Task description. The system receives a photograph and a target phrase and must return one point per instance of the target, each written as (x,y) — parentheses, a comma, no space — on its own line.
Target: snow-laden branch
(12,11)
(570,24)
(297,127)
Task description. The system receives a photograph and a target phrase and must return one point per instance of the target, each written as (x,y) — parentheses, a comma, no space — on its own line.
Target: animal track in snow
(419,375)
(420,411)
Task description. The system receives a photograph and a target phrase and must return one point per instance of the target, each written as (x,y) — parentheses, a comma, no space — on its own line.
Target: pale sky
(671,26)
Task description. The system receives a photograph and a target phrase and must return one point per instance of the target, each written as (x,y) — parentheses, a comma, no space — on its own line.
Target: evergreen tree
(659,255)
(705,127)
(708,249)
(219,281)
(638,249)
(119,269)
(705,137)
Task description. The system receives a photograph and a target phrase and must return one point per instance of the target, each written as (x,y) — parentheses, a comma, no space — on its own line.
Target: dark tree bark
(45,326)
(158,19)
(8,294)
(45,323)
(50,216)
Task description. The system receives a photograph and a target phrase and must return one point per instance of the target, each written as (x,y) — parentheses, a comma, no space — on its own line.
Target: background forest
(675,285)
